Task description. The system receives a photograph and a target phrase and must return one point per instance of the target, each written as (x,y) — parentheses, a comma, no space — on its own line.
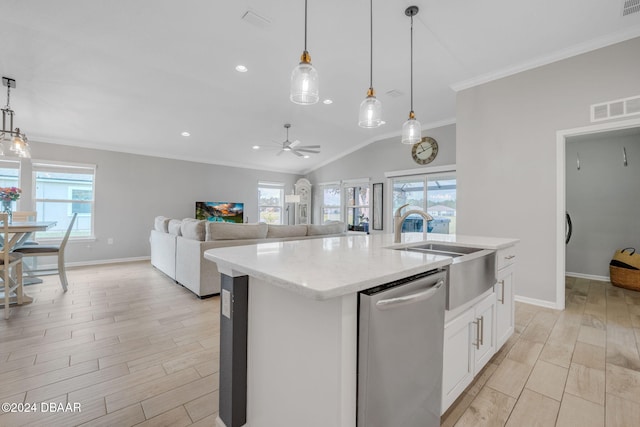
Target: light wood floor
(134,348)
(578,367)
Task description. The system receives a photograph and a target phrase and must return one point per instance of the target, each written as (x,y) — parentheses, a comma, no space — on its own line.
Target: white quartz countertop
(335,266)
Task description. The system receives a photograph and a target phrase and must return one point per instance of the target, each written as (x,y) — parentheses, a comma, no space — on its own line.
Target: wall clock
(424,151)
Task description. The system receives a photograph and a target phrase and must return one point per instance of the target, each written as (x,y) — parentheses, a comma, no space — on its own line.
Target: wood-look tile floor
(578,367)
(133,348)
(125,342)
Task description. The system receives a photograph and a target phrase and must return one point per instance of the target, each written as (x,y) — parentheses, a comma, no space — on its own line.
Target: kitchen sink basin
(471,273)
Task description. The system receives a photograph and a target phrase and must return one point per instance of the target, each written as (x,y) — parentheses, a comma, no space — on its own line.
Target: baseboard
(588,276)
(95,262)
(538,302)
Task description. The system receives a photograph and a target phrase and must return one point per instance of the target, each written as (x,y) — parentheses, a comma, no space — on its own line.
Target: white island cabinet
(475,331)
(289,323)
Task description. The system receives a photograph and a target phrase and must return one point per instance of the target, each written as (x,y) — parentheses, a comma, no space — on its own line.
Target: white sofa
(177,246)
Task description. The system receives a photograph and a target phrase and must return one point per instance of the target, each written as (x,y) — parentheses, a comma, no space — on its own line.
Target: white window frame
(61,167)
(13,164)
(417,174)
(323,205)
(351,183)
(272,185)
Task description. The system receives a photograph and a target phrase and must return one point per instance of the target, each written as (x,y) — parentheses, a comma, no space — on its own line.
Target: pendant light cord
(305,25)
(411,63)
(371,46)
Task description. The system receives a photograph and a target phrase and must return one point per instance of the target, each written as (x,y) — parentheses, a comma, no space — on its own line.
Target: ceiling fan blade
(304,150)
(279,152)
(309,146)
(294,143)
(297,153)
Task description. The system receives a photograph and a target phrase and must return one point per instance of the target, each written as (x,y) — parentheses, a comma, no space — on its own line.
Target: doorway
(561,194)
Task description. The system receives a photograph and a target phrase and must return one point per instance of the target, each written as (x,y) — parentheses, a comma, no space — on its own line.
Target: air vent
(630,6)
(394,93)
(616,109)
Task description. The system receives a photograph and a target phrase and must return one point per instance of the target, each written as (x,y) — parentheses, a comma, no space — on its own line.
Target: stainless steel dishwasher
(400,335)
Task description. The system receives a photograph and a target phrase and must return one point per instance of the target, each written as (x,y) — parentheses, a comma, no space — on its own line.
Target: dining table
(20,232)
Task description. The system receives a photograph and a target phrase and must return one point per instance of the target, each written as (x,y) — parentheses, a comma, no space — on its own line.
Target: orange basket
(625,278)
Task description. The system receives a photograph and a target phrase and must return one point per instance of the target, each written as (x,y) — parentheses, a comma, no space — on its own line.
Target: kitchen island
(289,322)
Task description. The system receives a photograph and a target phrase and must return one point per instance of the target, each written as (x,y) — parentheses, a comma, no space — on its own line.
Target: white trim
(538,302)
(329,184)
(350,182)
(569,52)
(38,164)
(95,262)
(270,184)
(561,199)
(397,132)
(589,276)
(421,171)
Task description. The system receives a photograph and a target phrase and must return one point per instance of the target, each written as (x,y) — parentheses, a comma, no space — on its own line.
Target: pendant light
(411,129)
(304,78)
(18,145)
(370,109)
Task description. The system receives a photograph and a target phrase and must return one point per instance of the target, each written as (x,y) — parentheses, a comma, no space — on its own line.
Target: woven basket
(625,278)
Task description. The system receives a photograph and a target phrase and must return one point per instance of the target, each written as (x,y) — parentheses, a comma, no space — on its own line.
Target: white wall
(132,189)
(379,157)
(603,198)
(506,151)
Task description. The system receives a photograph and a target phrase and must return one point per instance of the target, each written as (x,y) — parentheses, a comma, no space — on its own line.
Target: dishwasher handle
(390,303)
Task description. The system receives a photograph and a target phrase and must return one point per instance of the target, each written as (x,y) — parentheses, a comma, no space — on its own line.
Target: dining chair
(7,261)
(51,250)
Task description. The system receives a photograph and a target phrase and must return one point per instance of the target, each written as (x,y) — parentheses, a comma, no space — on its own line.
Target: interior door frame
(561,197)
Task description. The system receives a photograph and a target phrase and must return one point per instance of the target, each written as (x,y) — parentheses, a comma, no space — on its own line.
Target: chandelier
(17,140)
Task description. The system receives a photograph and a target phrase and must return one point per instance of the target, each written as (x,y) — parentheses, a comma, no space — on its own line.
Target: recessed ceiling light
(256,147)
(306,156)
(382,122)
(327,101)
(185,134)
(241,69)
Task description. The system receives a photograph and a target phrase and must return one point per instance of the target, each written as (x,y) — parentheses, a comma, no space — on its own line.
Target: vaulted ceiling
(133,75)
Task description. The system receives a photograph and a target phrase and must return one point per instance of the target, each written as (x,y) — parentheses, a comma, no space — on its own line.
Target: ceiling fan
(295,147)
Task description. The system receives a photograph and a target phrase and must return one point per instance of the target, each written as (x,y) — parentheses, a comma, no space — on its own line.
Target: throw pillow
(193,229)
(232,231)
(276,231)
(329,228)
(161,223)
(174,227)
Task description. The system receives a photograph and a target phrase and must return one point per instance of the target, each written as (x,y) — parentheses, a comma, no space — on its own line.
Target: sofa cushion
(336,227)
(231,231)
(161,223)
(174,227)
(274,231)
(193,229)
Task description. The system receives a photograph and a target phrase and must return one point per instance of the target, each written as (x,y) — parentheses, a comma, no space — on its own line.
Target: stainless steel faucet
(398,220)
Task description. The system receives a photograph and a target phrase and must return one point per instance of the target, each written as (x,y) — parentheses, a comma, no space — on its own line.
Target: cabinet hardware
(510,257)
(501,300)
(477,343)
(481,330)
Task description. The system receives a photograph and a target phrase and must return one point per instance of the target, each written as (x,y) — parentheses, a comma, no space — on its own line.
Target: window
(62,189)
(357,205)
(270,202)
(434,193)
(330,207)
(10,174)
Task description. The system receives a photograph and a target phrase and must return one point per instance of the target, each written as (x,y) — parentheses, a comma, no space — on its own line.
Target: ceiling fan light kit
(411,129)
(304,78)
(371,108)
(18,144)
(295,148)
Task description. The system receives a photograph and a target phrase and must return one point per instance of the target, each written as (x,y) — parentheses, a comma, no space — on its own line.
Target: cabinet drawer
(506,257)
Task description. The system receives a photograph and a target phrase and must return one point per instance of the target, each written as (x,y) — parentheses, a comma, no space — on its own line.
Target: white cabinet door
(458,357)
(485,338)
(505,309)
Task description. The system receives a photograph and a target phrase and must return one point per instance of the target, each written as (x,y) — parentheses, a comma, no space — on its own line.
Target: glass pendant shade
(411,131)
(370,112)
(304,84)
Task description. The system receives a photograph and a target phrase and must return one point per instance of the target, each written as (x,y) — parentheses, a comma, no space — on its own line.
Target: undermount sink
(471,273)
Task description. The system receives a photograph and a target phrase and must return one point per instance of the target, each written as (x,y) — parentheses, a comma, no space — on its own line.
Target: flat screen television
(220,211)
